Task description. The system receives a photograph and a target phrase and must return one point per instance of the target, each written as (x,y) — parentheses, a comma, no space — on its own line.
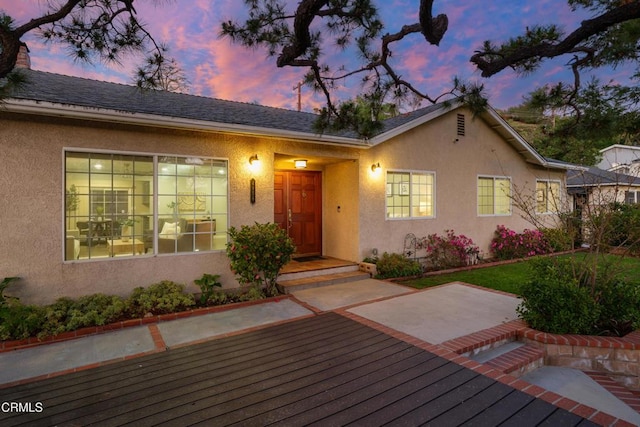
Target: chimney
(23,60)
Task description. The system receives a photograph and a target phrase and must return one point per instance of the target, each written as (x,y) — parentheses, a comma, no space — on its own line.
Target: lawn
(509,277)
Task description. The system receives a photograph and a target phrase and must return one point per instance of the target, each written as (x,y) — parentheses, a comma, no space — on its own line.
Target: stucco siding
(457,165)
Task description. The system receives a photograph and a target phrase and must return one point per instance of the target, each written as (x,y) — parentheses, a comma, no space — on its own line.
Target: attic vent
(460,124)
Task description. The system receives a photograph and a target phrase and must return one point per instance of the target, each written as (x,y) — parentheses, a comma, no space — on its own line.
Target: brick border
(11,345)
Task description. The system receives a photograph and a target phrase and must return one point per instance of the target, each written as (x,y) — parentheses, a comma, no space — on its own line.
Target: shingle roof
(76,91)
(595,176)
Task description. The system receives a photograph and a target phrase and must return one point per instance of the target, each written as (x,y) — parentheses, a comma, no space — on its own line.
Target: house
(597,187)
(106,188)
(619,158)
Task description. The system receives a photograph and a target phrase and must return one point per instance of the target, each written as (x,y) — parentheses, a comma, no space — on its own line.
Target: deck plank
(326,369)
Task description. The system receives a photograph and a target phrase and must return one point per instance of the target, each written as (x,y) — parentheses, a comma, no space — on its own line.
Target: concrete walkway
(433,315)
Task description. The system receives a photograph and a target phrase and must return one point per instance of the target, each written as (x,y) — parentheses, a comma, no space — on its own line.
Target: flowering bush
(450,251)
(258,252)
(507,244)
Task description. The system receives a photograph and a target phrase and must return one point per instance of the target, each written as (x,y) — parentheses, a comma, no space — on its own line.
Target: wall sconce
(300,164)
(254,163)
(375,168)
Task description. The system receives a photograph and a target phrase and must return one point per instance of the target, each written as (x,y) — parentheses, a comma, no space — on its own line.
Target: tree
(610,38)
(103,30)
(599,116)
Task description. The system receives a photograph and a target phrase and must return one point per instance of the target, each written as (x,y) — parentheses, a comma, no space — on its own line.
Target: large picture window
(547,196)
(134,205)
(494,195)
(410,194)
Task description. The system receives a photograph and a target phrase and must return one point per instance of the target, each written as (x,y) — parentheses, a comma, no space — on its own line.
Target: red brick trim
(11,345)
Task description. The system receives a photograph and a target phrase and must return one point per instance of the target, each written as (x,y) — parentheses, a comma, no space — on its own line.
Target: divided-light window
(494,196)
(134,205)
(547,196)
(410,195)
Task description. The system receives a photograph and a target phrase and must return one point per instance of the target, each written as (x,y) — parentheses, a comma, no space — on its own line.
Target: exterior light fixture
(253,160)
(300,164)
(375,167)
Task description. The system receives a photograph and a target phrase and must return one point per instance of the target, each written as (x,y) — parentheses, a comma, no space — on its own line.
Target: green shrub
(396,265)
(257,254)
(208,292)
(619,307)
(67,314)
(624,226)
(19,321)
(160,298)
(553,301)
(559,239)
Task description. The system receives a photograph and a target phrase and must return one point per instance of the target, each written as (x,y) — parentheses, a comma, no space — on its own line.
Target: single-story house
(106,188)
(597,187)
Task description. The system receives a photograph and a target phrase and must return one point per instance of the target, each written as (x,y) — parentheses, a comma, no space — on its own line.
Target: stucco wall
(32,214)
(457,166)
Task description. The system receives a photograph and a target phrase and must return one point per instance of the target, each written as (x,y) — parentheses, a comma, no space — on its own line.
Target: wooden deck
(324,370)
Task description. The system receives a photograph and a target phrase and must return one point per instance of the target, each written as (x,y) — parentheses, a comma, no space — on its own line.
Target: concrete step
(318,280)
(514,358)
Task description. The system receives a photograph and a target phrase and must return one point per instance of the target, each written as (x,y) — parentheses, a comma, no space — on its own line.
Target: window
(632,197)
(131,205)
(547,196)
(494,196)
(410,194)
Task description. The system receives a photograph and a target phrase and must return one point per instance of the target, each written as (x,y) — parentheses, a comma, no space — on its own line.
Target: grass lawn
(509,277)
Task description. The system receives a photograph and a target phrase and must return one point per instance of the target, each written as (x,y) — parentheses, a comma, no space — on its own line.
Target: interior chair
(84,231)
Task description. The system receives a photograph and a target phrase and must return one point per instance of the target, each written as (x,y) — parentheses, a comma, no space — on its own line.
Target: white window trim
(548,212)
(410,172)
(494,177)
(155,156)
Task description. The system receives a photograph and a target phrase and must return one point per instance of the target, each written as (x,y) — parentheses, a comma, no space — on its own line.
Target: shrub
(558,239)
(507,244)
(625,226)
(67,314)
(449,251)
(160,298)
(619,303)
(208,284)
(258,253)
(396,265)
(553,301)
(18,321)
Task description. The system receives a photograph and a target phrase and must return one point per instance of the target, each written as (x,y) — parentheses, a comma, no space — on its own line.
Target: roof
(58,95)
(594,177)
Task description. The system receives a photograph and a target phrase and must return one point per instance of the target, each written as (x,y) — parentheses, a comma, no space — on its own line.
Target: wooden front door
(298,208)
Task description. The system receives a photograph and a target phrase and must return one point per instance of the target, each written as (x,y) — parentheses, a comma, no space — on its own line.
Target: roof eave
(50,109)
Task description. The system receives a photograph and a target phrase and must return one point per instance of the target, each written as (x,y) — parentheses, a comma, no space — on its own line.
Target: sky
(217,68)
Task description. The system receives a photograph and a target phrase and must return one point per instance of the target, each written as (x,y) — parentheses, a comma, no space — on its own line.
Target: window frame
(411,195)
(153,201)
(494,178)
(547,210)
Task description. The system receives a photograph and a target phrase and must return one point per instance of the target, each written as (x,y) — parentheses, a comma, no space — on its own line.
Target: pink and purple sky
(216,68)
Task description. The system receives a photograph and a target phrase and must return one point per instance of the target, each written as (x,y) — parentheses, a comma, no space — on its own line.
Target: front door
(298,208)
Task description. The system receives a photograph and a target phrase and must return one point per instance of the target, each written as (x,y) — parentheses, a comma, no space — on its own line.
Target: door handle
(290,224)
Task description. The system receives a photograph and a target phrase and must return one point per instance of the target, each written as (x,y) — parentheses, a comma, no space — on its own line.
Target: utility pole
(299,88)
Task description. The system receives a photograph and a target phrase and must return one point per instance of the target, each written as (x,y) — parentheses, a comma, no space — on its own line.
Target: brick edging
(11,345)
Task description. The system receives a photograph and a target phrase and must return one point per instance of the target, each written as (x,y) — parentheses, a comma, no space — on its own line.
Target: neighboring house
(597,187)
(105,188)
(623,159)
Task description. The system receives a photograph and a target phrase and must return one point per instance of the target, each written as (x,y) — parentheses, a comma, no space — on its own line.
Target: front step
(514,358)
(294,284)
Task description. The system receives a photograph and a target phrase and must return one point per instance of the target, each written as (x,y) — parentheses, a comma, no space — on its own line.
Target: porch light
(253,160)
(375,167)
(300,164)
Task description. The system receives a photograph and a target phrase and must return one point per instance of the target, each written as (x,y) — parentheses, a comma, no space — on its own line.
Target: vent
(460,125)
